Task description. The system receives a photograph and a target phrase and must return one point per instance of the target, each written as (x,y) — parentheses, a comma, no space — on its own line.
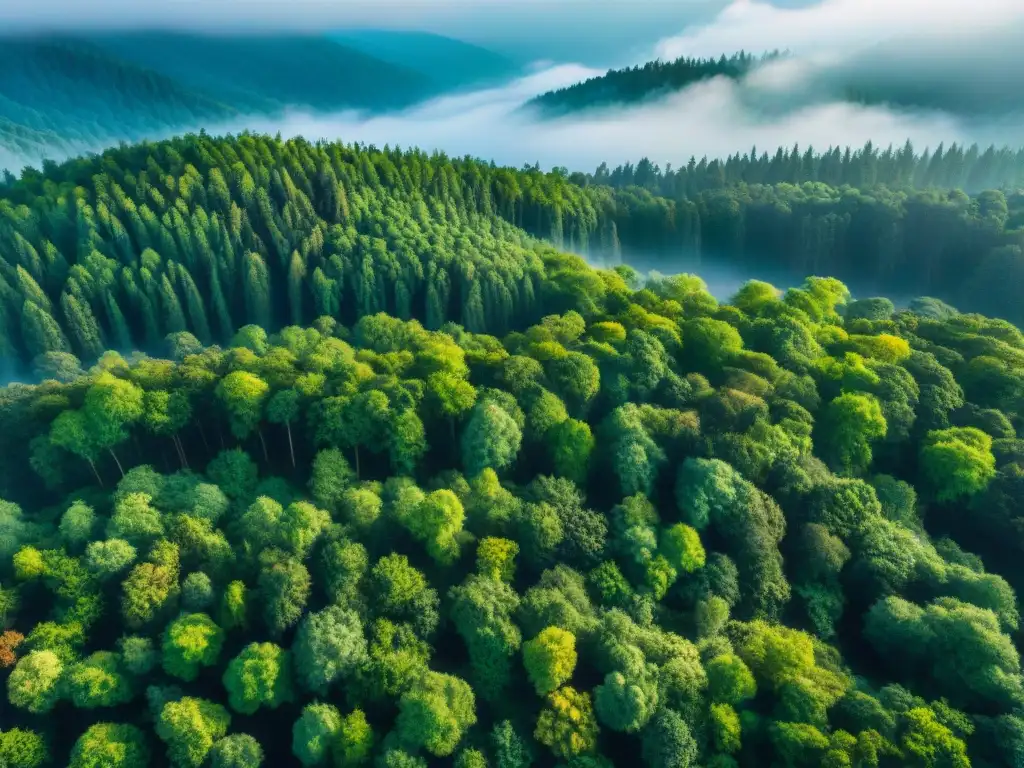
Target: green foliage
(482,611)
(437,521)
(572,444)
(190,642)
(435,713)
(926,742)
(239,750)
(730,680)
(330,478)
(848,426)
(196,591)
(284,588)
(495,557)
(34,683)
(354,742)
(550,659)
(490,441)
(77,525)
(957,462)
(625,701)
(190,727)
(680,544)
(22,749)
(259,676)
(667,743)
(567,725)
(97,681)
(314,732)
(137,654)
(726,728)
(329,646)
(110,745)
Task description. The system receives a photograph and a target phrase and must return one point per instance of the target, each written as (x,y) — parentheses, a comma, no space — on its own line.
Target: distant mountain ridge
(61,95)
(447,63)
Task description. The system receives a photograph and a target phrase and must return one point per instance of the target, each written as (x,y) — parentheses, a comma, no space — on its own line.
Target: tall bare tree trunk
(291,445)
(177,449)
(202,434)
(181,449)
(263,442)
(116,460)
(93,466)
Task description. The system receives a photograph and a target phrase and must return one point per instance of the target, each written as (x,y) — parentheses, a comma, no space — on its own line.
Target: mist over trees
(619,87)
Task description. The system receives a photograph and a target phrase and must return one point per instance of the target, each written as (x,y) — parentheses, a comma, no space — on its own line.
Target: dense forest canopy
(205,235)
(618,521)
(378,474)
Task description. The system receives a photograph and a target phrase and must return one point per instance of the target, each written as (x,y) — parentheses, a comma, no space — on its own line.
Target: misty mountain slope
(640,83)
(71,94)
(265,73)
(448,63)
(57,93)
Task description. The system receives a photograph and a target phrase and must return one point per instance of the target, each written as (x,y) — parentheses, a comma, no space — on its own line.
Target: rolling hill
(59,95)
(64,95)
(264,73)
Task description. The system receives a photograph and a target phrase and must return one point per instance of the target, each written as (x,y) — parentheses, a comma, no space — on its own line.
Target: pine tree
(40,331)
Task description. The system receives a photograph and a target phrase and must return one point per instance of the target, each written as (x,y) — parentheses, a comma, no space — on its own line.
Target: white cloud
(713,118)
(837,25)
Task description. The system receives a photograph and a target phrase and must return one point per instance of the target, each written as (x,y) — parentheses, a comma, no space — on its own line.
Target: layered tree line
(972,168)
(639,83)
(626,524)
(206,235)
(880,76)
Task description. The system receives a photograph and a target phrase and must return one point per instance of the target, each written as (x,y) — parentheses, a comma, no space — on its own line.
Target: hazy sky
(604,32)
(840,26)
(930,37)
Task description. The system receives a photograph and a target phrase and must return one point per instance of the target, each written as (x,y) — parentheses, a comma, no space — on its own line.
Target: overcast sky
(604,32)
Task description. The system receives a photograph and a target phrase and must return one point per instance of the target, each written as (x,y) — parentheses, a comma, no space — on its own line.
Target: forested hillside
(627,86)
(889,74)
(70,94)
(205,235)
(58,96)
(263,73)
(451,496)
(957,166)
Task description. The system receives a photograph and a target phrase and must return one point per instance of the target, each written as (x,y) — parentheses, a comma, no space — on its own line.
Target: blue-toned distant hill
(68,94)
(447,63)
(59,95)
(263,72)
